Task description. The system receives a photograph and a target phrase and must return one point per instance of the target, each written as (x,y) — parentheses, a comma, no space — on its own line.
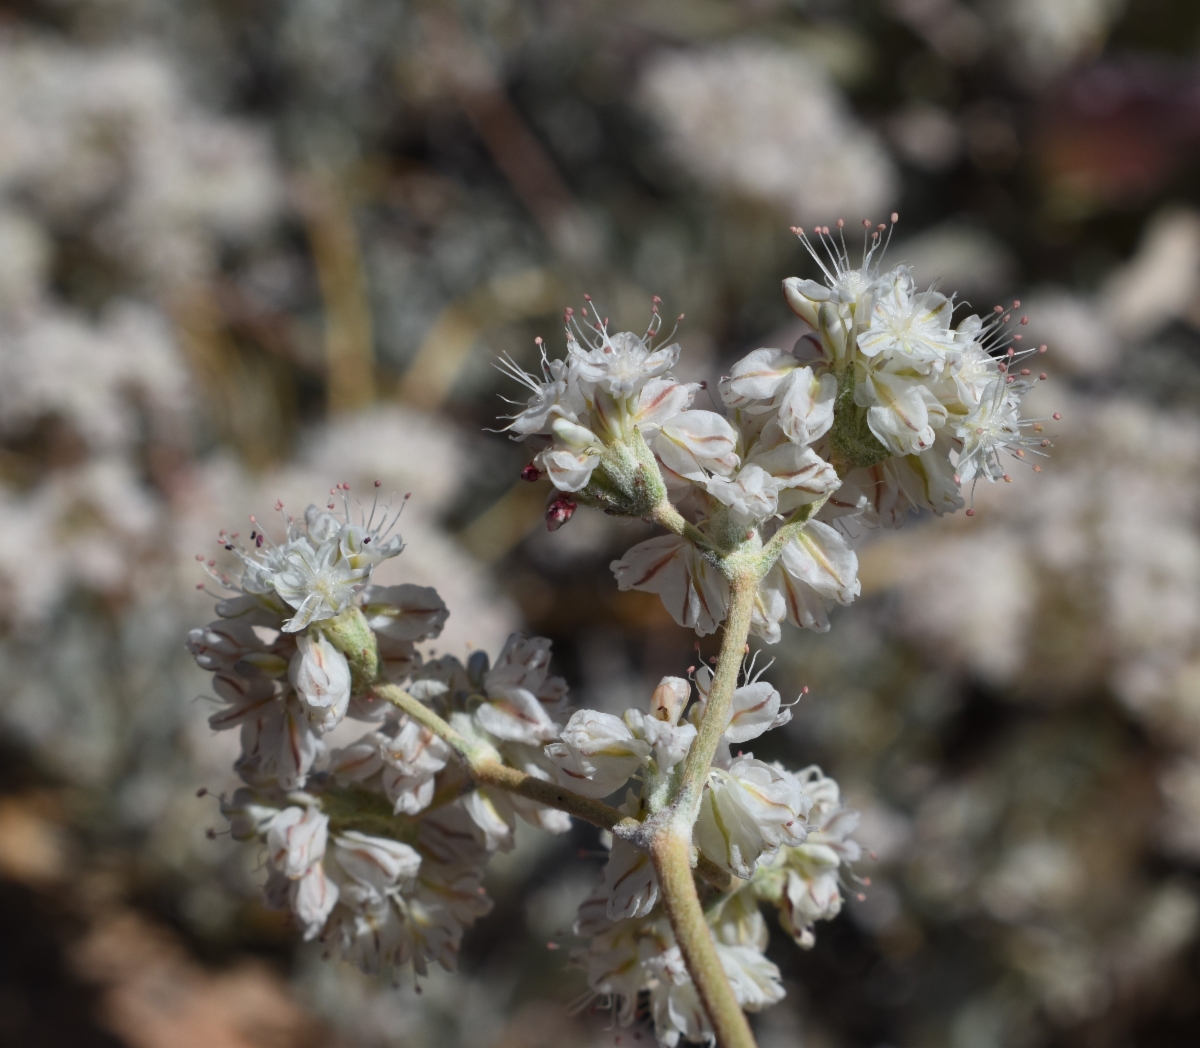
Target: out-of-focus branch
(468,74)
(337,256)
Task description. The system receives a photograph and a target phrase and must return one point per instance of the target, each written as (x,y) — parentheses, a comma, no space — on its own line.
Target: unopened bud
(669,698)
(531,473)
(559,512)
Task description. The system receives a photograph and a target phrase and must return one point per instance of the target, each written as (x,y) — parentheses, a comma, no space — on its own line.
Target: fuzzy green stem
(485,770)
(788,531)
(669,835)
(671,855)
(743,588)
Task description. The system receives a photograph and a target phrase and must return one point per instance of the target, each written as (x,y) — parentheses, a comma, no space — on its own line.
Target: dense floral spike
(887,407)
(288,664)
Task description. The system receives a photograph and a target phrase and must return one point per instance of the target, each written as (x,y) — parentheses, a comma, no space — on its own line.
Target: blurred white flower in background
(760,121)
(1051,37)
(107,139)
(1135,301)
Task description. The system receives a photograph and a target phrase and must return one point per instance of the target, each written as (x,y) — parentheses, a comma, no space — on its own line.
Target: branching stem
(485,770)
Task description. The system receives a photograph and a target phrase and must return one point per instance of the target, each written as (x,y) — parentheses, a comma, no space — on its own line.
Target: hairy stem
(485,770)
(743,592)
(667,516)
(668,836)
(671,855)
(788,531)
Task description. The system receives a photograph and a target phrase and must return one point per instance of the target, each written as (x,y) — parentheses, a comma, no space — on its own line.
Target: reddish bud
(559,512)
(531,473)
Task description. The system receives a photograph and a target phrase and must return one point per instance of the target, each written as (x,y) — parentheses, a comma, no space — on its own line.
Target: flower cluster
(636,963)
(783,837)
(886,407)
(377,846)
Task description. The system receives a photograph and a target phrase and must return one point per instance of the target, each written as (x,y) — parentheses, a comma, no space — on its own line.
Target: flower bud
(575,436)
(559,512)
(597,753)
(321,677)
(296,840)
(669,698)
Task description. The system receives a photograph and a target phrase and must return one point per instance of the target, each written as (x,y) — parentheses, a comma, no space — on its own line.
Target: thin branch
(670,518)
(788,531)
(485,770)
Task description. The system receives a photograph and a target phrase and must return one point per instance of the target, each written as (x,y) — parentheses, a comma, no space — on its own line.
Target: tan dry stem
(671,856)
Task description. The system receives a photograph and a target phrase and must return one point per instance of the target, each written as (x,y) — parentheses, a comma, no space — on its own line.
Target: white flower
(312,898)
(806,405)
(773,380)
(373,937)
(754,381)
(814,570)
(754,979)
(520,693)
(912,329)
(248,816)
(407,763)
(800,475)
(976,370)
(902,411)
(674,1003)
(755,709)
(747,812)
(296,840)
(695,442)
(221,645)
(811,890)
(247,697)
(410,762)
(373,866)
(321,677)
(318,583)
(692,589)
(554,396)
(752,495)
(670,742)
(994,426)
(533,761)
(621,364)
(493,815)
(629,881)
(405,612)
(568,469)
(514,714)
(597,753)
(524,662)
(660,400)
(279,743)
